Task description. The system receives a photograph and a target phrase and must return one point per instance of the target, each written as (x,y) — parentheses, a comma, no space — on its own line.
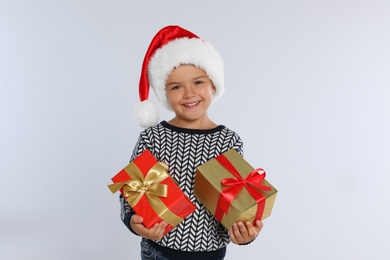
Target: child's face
(189,92)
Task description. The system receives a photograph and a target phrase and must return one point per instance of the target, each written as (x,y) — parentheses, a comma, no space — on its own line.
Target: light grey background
(307,88)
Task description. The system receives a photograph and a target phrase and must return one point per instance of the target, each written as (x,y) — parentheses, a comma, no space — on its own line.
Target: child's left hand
(241,234)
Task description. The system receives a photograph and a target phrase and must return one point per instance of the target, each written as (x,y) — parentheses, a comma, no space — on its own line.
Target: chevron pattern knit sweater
(183,150)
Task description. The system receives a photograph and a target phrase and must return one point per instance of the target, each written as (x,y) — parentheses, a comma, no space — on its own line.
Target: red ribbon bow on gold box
(233,191)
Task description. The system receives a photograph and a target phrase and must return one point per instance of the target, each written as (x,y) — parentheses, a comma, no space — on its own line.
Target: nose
(189,92)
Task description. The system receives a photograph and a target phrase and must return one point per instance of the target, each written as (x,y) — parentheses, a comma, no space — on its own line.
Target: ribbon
(234,186)
(148,186)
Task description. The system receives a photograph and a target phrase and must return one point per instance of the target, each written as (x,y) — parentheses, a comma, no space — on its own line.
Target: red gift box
(151,192)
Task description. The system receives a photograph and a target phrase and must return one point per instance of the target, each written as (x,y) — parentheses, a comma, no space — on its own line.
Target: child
(186,75)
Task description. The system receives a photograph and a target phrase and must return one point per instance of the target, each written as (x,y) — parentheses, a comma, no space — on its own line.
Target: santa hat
(171,47)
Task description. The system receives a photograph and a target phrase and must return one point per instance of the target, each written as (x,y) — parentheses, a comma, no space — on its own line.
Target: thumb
(137,219)
(259,224)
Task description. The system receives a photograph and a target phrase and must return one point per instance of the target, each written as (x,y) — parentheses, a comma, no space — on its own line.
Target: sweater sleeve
(238,144)
(126,210)
(126,213)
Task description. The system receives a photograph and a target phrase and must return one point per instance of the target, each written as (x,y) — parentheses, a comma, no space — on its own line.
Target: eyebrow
(196,78)
(199,77)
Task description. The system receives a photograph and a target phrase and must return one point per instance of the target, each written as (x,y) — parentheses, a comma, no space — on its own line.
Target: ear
(213,89)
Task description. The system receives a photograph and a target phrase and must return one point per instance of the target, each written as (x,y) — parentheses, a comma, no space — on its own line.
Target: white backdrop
(307,88)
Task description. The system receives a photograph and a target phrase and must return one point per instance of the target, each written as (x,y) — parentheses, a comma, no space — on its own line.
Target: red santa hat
(171,47)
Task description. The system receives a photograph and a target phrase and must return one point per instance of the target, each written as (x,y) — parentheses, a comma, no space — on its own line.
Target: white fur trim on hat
(190,51)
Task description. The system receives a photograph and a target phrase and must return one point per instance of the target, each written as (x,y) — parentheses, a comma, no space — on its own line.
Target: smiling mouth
(191,104)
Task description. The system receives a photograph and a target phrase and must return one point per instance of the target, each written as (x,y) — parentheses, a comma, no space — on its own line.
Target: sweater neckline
(190,130)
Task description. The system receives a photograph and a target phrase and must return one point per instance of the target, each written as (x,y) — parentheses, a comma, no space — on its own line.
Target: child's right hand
(155,233)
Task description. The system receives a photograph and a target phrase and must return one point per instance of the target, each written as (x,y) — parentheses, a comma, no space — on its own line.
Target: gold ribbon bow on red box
(150,187)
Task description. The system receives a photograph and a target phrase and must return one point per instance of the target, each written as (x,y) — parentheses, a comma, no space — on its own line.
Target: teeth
(191,105)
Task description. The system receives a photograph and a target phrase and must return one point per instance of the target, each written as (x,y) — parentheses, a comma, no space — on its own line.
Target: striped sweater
(183,150)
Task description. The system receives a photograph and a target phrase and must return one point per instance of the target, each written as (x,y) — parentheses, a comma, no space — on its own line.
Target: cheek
(172,97)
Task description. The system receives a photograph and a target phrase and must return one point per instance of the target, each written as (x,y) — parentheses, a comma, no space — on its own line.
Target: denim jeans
(148,252)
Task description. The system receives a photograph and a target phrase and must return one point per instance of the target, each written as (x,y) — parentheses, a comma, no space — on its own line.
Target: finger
(157,231)
(232,235)
(259,226)
(239,232)
(243,229)
(161,229)
(252,231)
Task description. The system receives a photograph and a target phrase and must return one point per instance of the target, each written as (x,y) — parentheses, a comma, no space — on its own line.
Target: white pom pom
(146,114)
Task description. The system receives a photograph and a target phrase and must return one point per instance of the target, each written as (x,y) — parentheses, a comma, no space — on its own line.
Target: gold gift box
(208,188)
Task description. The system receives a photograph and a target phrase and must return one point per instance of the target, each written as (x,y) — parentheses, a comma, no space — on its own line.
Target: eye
(175,87)
(198,82)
